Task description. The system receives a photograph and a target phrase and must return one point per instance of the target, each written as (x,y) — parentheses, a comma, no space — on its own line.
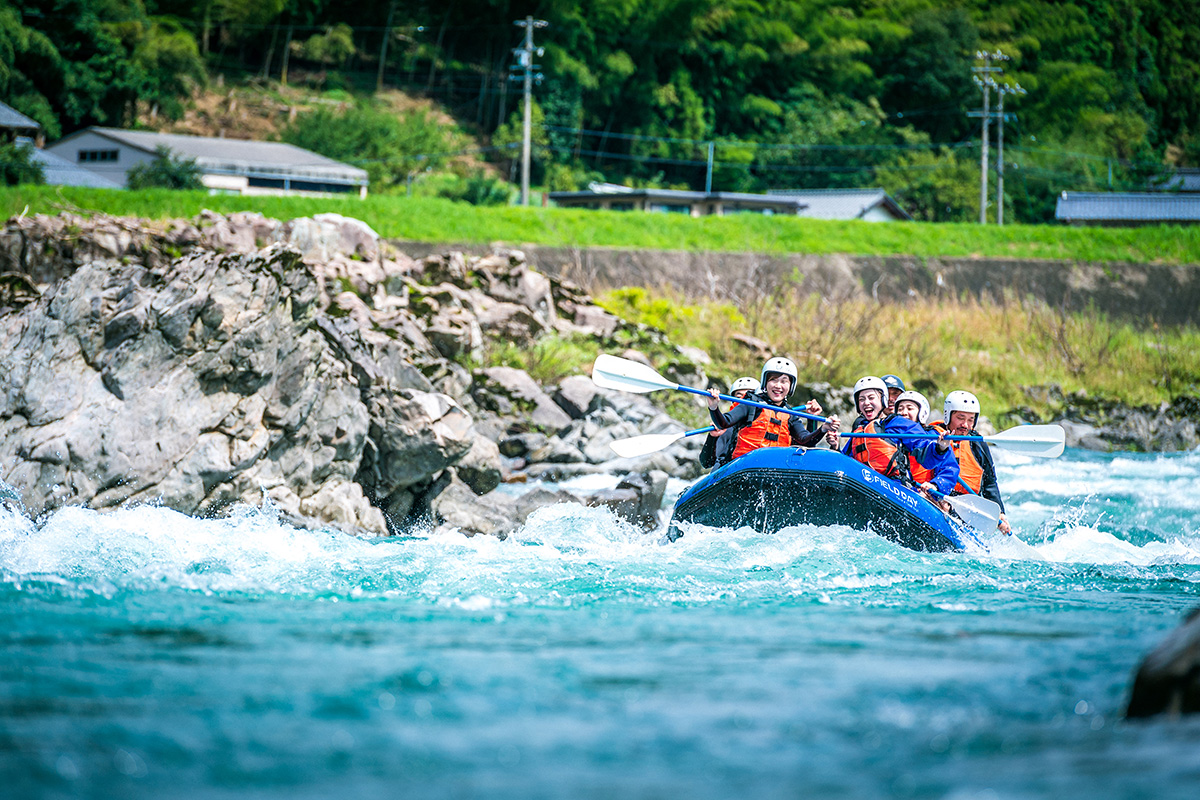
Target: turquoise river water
(147,654)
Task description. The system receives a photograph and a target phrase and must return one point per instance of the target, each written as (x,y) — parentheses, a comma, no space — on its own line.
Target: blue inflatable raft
(776,487)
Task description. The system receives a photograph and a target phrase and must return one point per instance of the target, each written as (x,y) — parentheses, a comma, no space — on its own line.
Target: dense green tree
(793,92)
(388,145)
(18,166)
(165,171)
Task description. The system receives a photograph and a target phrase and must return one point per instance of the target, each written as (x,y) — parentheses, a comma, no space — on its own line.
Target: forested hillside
(792,93)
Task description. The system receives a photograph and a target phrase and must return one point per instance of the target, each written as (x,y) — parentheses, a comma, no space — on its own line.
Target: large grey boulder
(456,507)
(637,498)
(206,381)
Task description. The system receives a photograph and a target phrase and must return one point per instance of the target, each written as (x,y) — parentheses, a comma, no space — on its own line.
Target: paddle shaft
(754,403)
(913,436)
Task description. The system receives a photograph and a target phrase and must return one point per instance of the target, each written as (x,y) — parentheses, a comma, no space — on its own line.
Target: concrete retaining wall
(1146,293)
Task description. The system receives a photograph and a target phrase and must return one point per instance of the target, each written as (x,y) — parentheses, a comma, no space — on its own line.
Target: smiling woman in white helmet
(890,457)
(977,471)
(739,389)
(753,427)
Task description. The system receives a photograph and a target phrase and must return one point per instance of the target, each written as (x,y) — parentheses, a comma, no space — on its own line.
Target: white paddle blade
(611,372)
(978,512)
(1043,441)
(644,445)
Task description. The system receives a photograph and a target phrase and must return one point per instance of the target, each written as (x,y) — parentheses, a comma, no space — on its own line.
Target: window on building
(92,156)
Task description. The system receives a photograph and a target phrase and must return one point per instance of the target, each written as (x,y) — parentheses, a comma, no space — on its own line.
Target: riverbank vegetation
(440,221)
(1015,354)
(779,94)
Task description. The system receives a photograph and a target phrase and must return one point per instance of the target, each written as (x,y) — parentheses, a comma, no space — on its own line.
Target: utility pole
(1002,90)
(527,75)
(985,81)
(708,174)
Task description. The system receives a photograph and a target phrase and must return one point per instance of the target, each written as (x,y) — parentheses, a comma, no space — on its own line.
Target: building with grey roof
(614,197)
(1184,179)
(869,205)
(1124,209)
(14,124)
(60,172)
(234,166)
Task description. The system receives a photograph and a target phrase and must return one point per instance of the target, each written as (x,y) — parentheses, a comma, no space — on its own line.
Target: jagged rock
(556,451)
(342,504)
(511,322)
(522,444)
(550,471)
(637,498)
(540,498)
(596,321)
(1168,680)
(413,435)
(576,395)
(508,390)
(457,507)
(456,334)
(480,467)
(321,237)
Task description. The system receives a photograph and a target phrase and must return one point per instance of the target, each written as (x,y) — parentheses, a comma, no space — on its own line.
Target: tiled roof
(1130,207)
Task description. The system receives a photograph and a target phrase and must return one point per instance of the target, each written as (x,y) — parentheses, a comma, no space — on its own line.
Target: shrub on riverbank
(442,221)
(1005,352)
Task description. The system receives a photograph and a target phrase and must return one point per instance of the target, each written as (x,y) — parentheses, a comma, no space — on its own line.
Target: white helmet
(960,401)
(922,405)
(870,382)
(745,383)
(782,366)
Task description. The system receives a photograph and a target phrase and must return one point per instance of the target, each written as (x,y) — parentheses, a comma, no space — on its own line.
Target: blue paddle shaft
(699,431)
(754,403)
(909,436)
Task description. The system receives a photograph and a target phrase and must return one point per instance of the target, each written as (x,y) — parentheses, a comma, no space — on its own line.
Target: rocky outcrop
(1105,425)
(226,360)
(1168,679)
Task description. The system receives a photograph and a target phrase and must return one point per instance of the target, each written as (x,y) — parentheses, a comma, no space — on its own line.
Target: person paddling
(740,388)
(940,480)
(977,471)
(886,456)
(755,427)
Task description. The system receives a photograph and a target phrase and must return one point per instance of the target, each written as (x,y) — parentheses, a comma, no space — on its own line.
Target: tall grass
(444,222)
(1006,352)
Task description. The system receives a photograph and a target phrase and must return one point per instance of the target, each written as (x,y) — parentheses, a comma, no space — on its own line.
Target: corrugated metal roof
(11,118)
(239,156)
(842,203)
(61,172)
(1130,207)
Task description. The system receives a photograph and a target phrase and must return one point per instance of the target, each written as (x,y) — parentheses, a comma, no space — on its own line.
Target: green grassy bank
(435,220)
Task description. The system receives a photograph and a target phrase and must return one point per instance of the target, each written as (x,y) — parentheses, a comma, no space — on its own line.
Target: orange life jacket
(878,454)
(769,429)
(919,473)
(970,471)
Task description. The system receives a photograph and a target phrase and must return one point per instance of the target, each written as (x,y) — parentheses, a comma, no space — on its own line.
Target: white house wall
(115,171)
